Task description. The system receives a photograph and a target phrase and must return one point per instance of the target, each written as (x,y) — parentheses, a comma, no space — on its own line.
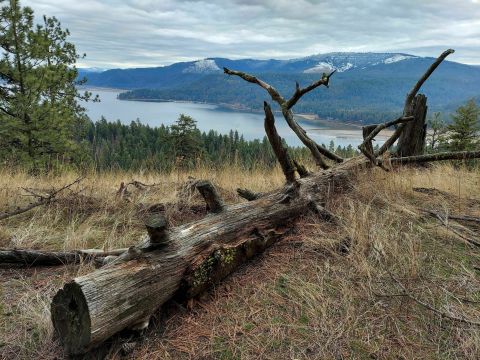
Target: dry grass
(303,299)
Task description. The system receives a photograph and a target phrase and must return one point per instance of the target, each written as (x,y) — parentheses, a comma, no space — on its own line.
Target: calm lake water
(214,117)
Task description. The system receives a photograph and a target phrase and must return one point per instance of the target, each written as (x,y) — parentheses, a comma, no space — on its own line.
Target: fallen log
(25,257)
(122,295)
(182,262)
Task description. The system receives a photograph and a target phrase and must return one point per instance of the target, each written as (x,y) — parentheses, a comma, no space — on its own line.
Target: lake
(217,118)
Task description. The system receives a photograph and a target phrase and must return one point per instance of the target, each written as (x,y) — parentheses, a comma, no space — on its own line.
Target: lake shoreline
(222,118)
(308,118)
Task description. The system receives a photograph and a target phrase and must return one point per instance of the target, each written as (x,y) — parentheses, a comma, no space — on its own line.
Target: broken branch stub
(157,225)
(210,195)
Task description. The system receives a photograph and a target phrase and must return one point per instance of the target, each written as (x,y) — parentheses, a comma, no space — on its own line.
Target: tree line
(113,145)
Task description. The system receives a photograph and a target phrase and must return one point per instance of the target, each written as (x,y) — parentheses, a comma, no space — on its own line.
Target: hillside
(325,291)
(368,87)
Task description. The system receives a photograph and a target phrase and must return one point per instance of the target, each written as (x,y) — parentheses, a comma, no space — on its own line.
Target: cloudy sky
(133,33)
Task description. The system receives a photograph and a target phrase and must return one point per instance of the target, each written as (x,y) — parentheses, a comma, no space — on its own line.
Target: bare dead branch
(301,169)
(444,222)
(314,148)
(408,101)
(426,305)
(300,92)
(306,140)
(279,149)
(380,127)
(329,154)
(369,134)
(408,107)
(465,218)
(252,79)
(457,155)
(43,200)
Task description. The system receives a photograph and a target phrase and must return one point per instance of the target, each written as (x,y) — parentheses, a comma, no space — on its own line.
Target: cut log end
(71,319)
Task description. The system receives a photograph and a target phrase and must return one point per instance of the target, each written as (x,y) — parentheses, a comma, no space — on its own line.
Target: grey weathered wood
(412,139)
(457,155)
(248,194)
(157,225)
(210,195)
(123,294)
(279,149)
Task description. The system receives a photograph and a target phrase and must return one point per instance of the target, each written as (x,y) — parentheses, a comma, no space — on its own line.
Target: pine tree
(465,128)
(186,141)
(39,110)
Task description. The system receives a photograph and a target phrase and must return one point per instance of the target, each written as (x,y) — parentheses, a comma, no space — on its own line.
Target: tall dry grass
(327,291)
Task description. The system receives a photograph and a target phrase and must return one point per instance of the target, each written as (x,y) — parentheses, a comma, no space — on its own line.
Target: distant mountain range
(368,87)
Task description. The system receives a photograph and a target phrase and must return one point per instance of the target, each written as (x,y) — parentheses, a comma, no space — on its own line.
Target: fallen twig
(444,221)
(430,307)
(43,199)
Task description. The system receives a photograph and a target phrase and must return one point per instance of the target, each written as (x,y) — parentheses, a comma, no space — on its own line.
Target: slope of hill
(324,292)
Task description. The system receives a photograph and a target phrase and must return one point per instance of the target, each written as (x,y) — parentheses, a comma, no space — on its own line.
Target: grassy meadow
(324,292)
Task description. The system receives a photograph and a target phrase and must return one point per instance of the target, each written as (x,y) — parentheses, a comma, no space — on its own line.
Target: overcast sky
(134,33)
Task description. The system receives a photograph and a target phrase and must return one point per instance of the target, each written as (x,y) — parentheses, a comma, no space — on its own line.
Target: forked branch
(285,106)
(300,92)
(42,200)
(252,79)
(366,147)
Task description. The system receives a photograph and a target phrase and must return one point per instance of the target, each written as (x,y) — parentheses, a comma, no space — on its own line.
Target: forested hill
(367,87)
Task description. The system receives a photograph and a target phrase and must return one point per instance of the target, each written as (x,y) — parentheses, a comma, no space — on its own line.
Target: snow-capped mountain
(346,61)
(183,73)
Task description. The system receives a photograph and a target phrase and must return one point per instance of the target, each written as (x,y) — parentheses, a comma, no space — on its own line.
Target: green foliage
(39,113)
(464,130)
(186,141)
(113,145)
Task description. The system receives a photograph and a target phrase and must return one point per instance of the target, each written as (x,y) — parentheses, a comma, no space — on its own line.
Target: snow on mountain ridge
(396,58)
(346,61)
(202,67)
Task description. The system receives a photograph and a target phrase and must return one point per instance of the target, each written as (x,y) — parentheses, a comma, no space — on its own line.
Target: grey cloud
(128,33)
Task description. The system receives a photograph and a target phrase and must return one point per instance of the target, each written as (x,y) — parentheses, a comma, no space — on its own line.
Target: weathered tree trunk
(412,138)
(125,294)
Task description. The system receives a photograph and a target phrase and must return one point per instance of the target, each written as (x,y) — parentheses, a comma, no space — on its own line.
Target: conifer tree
(186,141)
(464,130)
(40,115)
